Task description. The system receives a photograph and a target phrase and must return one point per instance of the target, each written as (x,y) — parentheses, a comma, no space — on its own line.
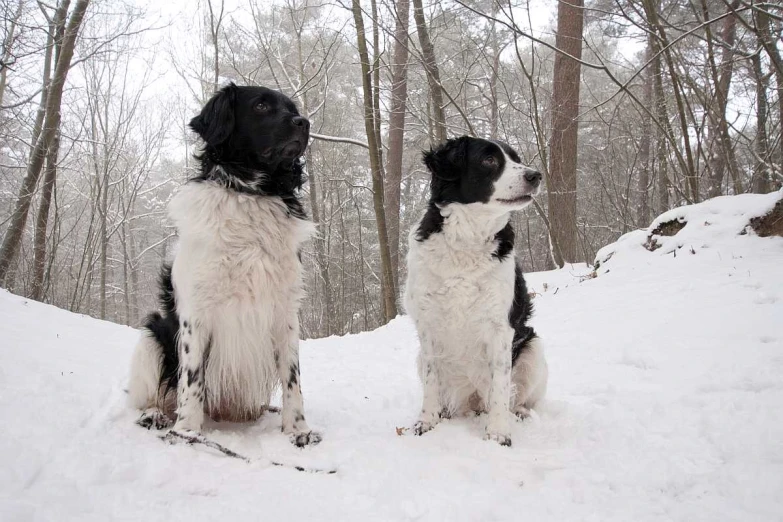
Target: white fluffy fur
(459,297)
(144,373)
(529,378)
(238,283)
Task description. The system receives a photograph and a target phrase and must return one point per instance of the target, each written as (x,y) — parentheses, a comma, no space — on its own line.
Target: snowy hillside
(665,403)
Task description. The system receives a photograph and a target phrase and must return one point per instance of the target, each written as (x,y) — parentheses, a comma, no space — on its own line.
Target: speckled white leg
(193,347)
(498,426)
(287,358)
(428,373)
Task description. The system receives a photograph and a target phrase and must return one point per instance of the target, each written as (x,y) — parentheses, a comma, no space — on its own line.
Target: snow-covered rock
(690,228)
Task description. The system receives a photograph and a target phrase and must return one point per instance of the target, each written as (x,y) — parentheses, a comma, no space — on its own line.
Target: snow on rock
(691,228)
(665,403)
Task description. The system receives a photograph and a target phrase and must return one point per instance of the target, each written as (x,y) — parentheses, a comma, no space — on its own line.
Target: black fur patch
(164,328)
(193,376)
(521,310)
(293,376)
(431,223)
(504,240)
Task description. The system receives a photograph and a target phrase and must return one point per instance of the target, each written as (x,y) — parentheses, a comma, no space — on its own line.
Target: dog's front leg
(287,358)
(428,372)
(193,349)
(499,397)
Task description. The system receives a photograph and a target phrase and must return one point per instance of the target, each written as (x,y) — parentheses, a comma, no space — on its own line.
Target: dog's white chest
(462,295)
(236,247)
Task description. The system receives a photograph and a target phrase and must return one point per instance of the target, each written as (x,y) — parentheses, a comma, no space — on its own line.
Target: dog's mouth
(293,149)
(519,200)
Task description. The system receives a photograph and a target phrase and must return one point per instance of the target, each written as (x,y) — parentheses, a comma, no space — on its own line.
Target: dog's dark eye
(490,161)
(261,107)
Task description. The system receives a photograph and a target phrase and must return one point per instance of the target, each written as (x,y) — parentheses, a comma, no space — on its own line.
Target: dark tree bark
(761,172)
(387,279)
(8,45)
(645,146)
(50,173)
(214,33)
(768,41)
(686,163)
(13,236)
(433,74)
(399,95)
(42,220)
(721,150)
(561,182)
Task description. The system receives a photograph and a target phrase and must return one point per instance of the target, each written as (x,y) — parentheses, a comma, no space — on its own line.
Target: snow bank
(665,403)
(691,228)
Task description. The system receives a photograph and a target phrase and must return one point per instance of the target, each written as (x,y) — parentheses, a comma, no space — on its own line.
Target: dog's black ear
(447,157)
(216,121)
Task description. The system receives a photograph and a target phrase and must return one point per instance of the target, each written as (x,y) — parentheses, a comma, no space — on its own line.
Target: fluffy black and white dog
(228,333)
(465,290)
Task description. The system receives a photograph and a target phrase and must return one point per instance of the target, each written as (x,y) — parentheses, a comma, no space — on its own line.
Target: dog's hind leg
(146,367)
(144,385)
(287,360)
(193,344)
(529,378)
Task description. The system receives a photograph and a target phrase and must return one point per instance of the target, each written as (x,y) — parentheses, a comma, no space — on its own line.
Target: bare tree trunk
(387,279)
(42,220)
(214,32)
(761,172)
(433,74)
(8,45)
(125,271)
(643,215)
(768,41)
(493,79)
(399,95)
(561,182)
(687,164)
(103,211)
(13,237)
(662,115)
(134,279)
(722,158)
(50,174)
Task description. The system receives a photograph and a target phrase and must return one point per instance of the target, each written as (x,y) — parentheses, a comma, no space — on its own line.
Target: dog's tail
(155,361)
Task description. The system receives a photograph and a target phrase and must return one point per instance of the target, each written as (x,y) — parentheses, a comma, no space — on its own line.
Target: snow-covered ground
(665,403)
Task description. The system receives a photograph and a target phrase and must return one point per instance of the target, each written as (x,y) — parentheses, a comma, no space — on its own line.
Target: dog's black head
(474,170)
(256,135)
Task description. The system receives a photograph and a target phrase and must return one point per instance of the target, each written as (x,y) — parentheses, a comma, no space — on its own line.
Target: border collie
(465,290)
(228,331)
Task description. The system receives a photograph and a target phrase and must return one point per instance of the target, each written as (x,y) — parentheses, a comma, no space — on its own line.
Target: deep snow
(665,403)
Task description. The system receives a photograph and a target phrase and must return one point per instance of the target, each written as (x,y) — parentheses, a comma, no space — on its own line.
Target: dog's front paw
(307,438)
(422,427)
(500,438)
(154,419)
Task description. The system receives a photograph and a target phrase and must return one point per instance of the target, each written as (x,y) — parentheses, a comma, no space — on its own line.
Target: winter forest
(628,107)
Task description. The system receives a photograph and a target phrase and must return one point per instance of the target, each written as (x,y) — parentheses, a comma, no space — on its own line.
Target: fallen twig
(200,439)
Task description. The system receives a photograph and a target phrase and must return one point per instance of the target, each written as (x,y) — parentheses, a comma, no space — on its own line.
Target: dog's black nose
(533,177)
(300,121)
